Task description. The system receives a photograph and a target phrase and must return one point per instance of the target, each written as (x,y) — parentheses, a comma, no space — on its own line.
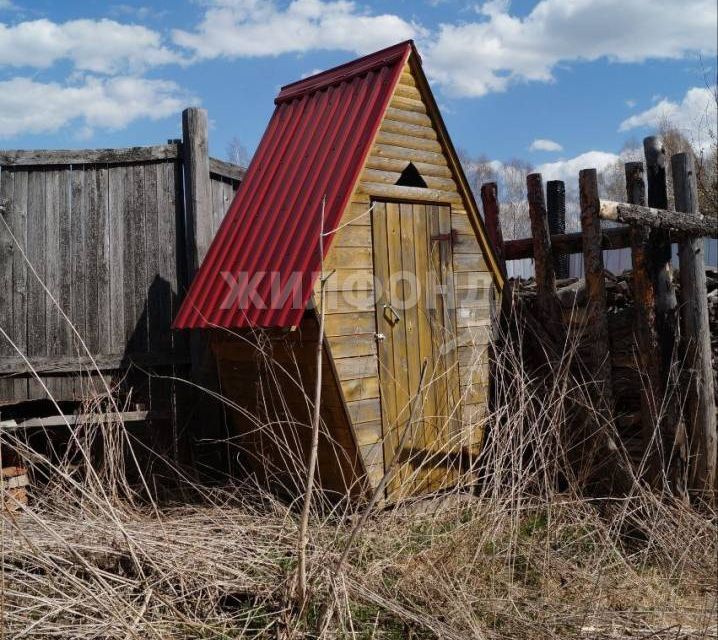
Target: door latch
(391,314)
(451,237)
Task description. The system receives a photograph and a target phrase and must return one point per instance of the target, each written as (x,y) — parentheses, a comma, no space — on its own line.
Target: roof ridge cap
(342,72)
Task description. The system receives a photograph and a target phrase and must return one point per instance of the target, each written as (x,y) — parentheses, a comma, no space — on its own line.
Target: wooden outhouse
(355,185)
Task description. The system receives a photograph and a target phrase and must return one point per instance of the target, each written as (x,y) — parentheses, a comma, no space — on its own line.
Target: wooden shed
(355,184)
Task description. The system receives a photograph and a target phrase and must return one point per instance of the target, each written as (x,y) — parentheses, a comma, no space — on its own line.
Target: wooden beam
(644,300)
(543,257)
(89,156)
(568,243)
(412,194)
(700,401)
(226,169)
(596,315)
(73,419)
(492,221)
(50,365)
(659,219)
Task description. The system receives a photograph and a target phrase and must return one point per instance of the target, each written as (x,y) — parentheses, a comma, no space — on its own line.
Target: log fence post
(198,190)
(644,300)
(660,251)
(672,444)
(543,258)
(556,206)
(596,316)
(207,415)
(612,468)
(700,401)
(492,220)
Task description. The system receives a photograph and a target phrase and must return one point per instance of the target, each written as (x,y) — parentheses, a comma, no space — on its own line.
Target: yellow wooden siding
(406,135)
(271,410)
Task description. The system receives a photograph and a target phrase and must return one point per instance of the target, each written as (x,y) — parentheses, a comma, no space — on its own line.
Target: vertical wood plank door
(415,323)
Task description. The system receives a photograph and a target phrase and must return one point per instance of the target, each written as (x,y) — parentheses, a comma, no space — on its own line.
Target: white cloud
(27,106)
(542,144)
(246,28)
(567,170)
(311,73)
(696,116)
(476,58)
(139,13)
(100,46)
(630,103)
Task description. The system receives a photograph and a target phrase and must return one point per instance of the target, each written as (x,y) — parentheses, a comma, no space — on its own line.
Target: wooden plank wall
(350,326)
(102,239)
(274,423)
(103,230)
(223,190)
(406,135)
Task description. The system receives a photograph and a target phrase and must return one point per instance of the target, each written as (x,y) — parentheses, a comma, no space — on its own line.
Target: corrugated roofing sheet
(263,262)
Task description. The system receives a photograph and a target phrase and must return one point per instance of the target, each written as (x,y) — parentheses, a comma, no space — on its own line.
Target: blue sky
(548,81)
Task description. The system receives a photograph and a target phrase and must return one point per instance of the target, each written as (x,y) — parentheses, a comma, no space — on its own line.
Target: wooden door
(415,323)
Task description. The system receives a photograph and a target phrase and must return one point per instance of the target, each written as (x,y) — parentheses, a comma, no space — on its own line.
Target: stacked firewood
(619,303)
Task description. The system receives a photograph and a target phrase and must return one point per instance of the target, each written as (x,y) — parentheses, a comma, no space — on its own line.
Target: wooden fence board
(92,239)
(7,250)
(152,242)
(52,279)
(138,341)
(64,269)
(128,270)
(104,302)
(20,270)
(116,189)
(87,156)
(105,231)
(222,194)
(77,252)
(36,302)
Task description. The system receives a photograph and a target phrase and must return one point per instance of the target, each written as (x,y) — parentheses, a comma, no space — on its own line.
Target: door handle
(392,316)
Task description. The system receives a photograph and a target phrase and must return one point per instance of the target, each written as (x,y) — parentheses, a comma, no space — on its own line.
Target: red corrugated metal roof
(314,147)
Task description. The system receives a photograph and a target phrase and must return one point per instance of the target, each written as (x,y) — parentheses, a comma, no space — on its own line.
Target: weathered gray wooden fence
(94,249)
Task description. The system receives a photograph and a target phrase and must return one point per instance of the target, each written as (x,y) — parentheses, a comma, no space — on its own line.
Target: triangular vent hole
(411,177)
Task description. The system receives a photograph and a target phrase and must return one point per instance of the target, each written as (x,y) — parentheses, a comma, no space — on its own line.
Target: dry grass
(515,551)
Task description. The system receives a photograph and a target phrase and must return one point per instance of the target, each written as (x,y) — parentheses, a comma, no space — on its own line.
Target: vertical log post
(543,258)
(644,298)
(207,415)
(492,220)
(672,447)
(556,205)
(700,401)
(660,254)
(198,193)
(596,316)
(611,469)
